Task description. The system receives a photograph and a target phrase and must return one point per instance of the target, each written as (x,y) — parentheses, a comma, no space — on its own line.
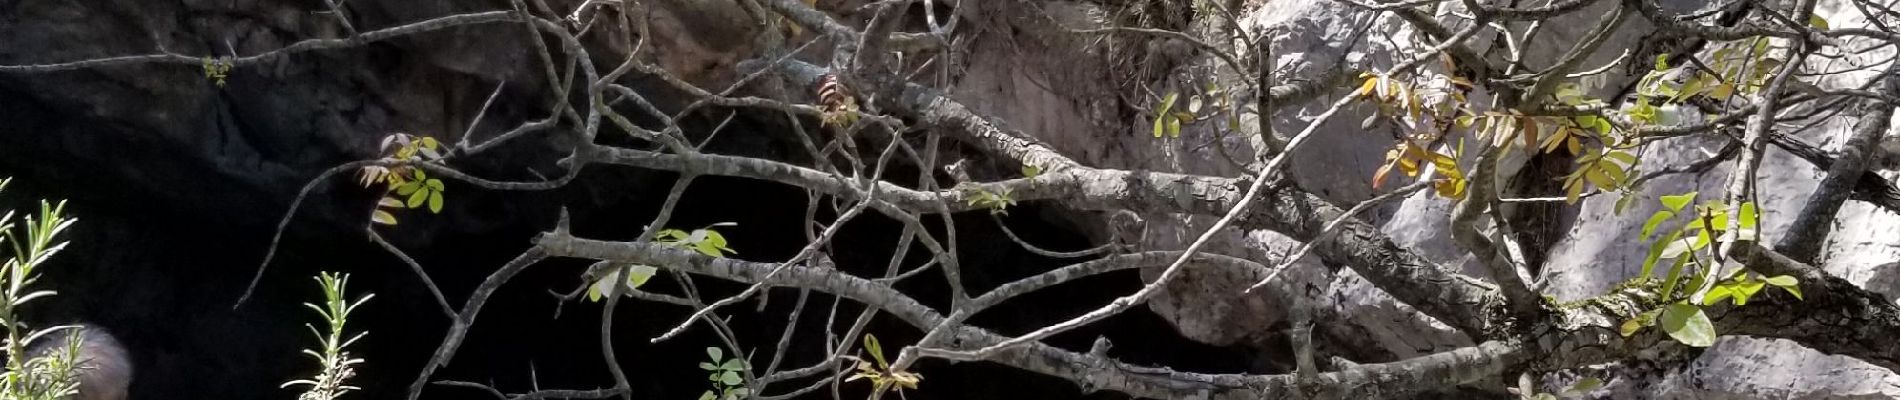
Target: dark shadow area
(165,279)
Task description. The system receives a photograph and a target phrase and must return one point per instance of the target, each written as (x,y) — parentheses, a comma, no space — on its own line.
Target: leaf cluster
(631,276)
(726,375)
(405,186)
(1200,106)
(216,69)
(1692,281)
(997,202)
(880,375)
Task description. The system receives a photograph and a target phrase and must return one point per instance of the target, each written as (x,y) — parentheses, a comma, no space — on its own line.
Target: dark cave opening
(167,284)
(167,241)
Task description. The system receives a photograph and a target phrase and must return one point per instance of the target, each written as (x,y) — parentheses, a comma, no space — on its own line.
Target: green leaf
(421,175)
(733,364)
(1647,318)
(1781,280)
(1677,248)
(1656,220)
(1583,386)
(1719,217)
(1673,277)
(1690,89)
(382,217)
(670,235)
(877,351)
(708,366)
(1788,283)
(1794,290)
(715,239)
(1748,215)
(1745,290)
(1818,22)
(1717,294)
(1687,324)
(715,353)
(730,378)
(435,202)
(639,274)
(708,395)
(408,187)
(1620,155)
(1161,114)
(435,184)
(603,287)
(1676,202)
(1031,171)
(1174,127)
(416,199)
(706,248)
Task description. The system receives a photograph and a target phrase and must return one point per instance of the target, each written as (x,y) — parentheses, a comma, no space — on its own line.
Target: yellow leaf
(1694,87)
(1623,156)
(1598,178)
(1414,105)
(1366,88)
(1386,88)
(1451,188)
(1575,187)
(1615,174)
(1444,162)
(1445,188)
(1576,147)
(1378,177)
(1630,327)
(1723,91)
(1413,150)
(1551,142)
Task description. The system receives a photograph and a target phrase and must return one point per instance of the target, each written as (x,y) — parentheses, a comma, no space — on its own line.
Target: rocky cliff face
(1592,252)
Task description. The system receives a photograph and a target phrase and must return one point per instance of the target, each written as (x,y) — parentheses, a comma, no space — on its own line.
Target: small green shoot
(334,362)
